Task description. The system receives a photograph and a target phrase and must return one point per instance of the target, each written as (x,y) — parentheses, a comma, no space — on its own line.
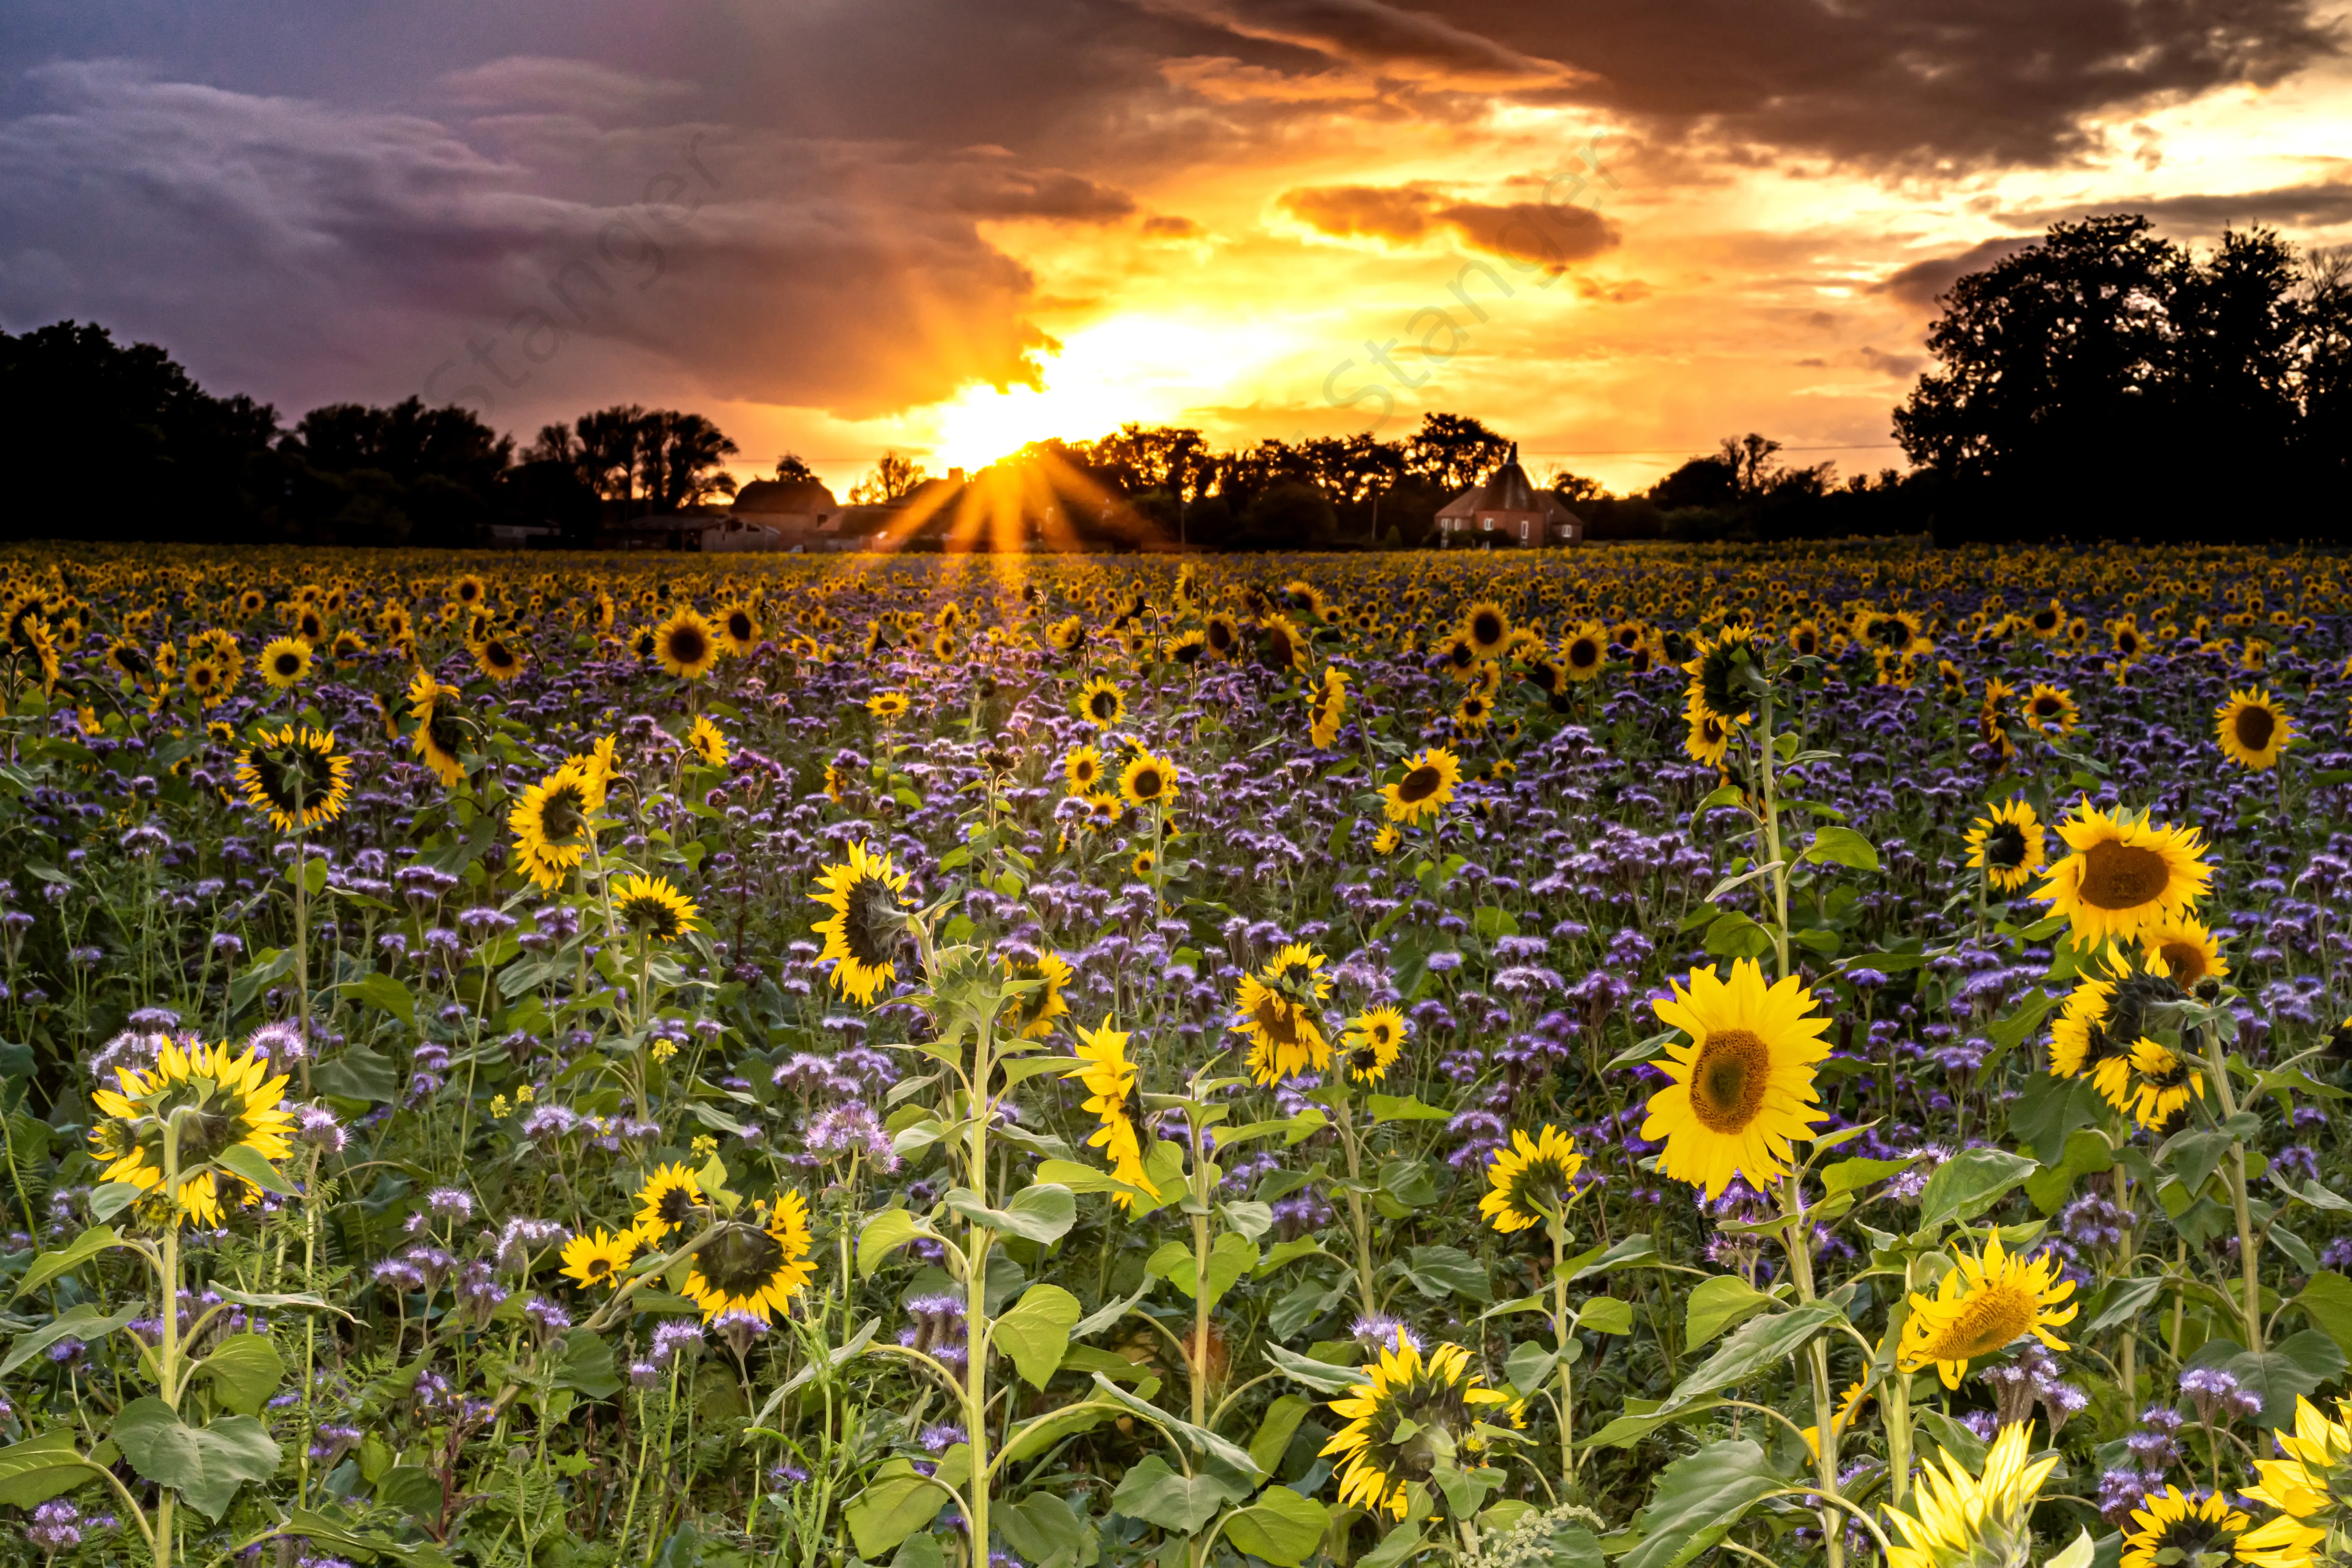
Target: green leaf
(366,1545)
(1403,1107)
(2125,1300)
(2087,1153)
(894,1505)
(1755,1347)
(588,1366)
(1281,1527)
(1280,1423)
(245,1161)
(1697,1499)
(1080,1178)
(361,1074)
(1529,1366)
(1399,1544)
(2194,1155)
(1606,1315)
(1844,846)
(1631,1253)
(39,1468)
(1852,1176)
(884,1235)
(70,1256)
(1208,1452)
(920,1550)
(1320,1377)
(1037,1331)
(86,1322)
(1229,1258)
(245,1369)
(1438,1272)
(1181,1505)
(1636,1424)
(1965,1448)
(2078,1554)
(2047,1109)
(1032,1439)
(1969,1183)
(1720,1302)
(2325,1298)
(1047,1534)
(382,991)
(2289,1369)
(205,1465)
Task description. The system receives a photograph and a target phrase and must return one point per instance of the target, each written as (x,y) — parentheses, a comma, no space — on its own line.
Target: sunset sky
(954,227)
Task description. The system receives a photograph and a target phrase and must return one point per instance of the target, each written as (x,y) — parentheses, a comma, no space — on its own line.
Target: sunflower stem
(1897,1398)
(1199,1350)
(1560,1349)
(1767,754)
(1817,1354)
(1358,1220)
(2250,1271)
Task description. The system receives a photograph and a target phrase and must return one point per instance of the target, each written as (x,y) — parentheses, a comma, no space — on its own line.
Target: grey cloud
(2322,203)
(1922,282)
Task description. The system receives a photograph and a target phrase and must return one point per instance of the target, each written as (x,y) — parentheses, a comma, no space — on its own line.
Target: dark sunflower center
(2005,846)
(2122,876)
(1419,785)
(1103,705)
(2047,706)
(1364,1057)
(1718,677)
(293,776)
(686,647)
(676,1207)
(740,1259)
(442,730)
(1461,655)
(871,923)
(738,626)
(1221,635)
(652,916)
(1148,784)
(2185,959)
(2186,1542)
(1728,1078)
(598,1267)
(564,816)
(1486,629)
(290,664)
(2127,643)
(2256,725)
(1583,653)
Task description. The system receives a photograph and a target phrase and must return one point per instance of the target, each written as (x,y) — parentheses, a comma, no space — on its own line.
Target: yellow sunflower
(1084,769)
(1031,1015)
(1983,1306)
(2123,874)
(499,658)
(755,1269)
(1372,1043)
(886,705)
(1584,652)
(687,645)
(551,824)
(1110,1084)
(1426,786)
(739,628)
(2187,949)
(1149,780)
(286,663)
(868,899)
(2310,1485)
(438,734)
(218,1102)
(1486,626)
(707,742)
(2170,1531)
(1100,704)
(652,908)
(670,1199)
(2252,730)
(1440,1394)
(1742,1088)
(599,1260)
(1279,1007)
(2052,708)
(1327,707)
(1531,1181)
(2009,845)
(1958,1518)
(296,777)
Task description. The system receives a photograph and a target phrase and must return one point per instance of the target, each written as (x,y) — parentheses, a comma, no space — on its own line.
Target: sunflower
(599,1260)
(886,705)
(1386,840)
(1719,679)
(1530,1182)
(1427,785)
(1584,653)
(686,644)
(2124,874)
(251,603)
(2309,1486)
(1709,739)
(2169,1531)
(1284,647)
(755,1269)
(2252,730)
(552,823)
(286,663)
(1957,1517)
(2008,844)
(2052,708)
(1110,1084)
(652,908)
(1436,1395)
(1149,780)
(668,1201)
(219,1101)
(1084,769)
(437,735)
(1890,631)
(1458,656)
(1278,1006)
(497,659)
(1186,648)
(1743,1085)
(1486,626)
(1372,1043)
(1473,712)
(1100,704)
(1327,707)
(1984,1306)
(1031,1015)
(739,628)
(294,777)
(1805,639)
(866,899)
(2186,949)
(1223,637)
(707,742)
(470,590)
(2150,1083)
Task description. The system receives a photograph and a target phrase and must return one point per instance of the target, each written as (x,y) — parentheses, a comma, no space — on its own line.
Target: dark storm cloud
(2322,203)
(1921,283)
(1548,235)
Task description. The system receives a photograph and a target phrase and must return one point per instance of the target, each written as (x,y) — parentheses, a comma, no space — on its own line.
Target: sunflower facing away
(1372,1043)
(437,735)
(1149,780)
(868,899)
(296,778)
(650,907)
(1428,783)
(286,663)
(1983,1306)
(671,1198)
(1100,704)
(2310,1485)
(1440,1393)
(1031,1015)
(1742,1087)
(2252,730)
(1279,1007)
(1111,1083)
(2124,874)
(1957,1517)
(1719,679)
(686,644)
(756,1268)
(551,822)
(236,1103)
(599,1260)
(2169,1531)
(1530,1182)
(2009,845)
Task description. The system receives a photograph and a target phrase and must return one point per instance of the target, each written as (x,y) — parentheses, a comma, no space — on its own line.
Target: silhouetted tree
(892,477)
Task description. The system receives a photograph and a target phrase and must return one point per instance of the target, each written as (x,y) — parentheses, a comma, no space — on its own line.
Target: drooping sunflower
(755,1267)
(551,822)
(286,663)
(2123,874)
(1428,783)
(652,908)
(1708,740)
(1100,703)
(1439,1392)
(1486,627)
(1280,1008)
(1957,1517)
(2009,845)
(2187,949)
(1110,1084)
(296,777)
(2151,1083)
(221,1101)
(1719,679)
(1372,1043)
(707,742)
(2052,708)
(2170,1531)
(1530,1182)
(2310,1485)
(1031,1015)
(2253,728)
(868,899)
(1742,1087)
(438,732)
(599,1260)
(1327,707)
(1984,1305)
(1149,780)
(670,1199)
(497,659)
(686,644)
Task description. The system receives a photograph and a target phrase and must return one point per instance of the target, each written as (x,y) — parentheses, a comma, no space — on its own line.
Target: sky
(1615,230)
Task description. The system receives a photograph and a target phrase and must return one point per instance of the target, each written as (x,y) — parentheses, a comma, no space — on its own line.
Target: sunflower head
(1720,679)
(2170,1531)
(2009,845)
(1031,1014)
(1372,1043)
(686,644)
(1149,780)
(1960,1520)
(206,1101)
(1426,785)
(601,1258)
(1084,769)
(1741,1088)
(1412,1412)
(2253,728)
(284,663)
(296,777)
(868,903)
(1111,1085)
(1985,1304)
(755,1267)
(653,909)
(1100,703)
(707,742)
(2123,874)
(670,1199)
(1486,626)
(1531,1180)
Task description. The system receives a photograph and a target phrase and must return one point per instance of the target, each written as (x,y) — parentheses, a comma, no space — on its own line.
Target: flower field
(1631,1057)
